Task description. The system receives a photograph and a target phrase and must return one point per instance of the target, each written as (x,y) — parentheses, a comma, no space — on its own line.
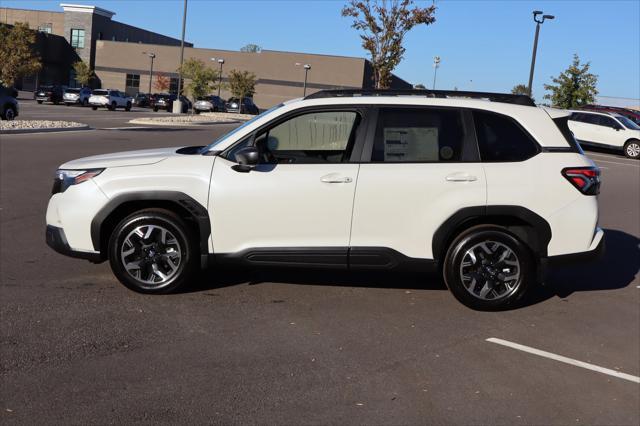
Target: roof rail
(494,97)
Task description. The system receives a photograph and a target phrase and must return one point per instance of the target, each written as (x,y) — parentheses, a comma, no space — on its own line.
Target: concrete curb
(46,130)
(179,124)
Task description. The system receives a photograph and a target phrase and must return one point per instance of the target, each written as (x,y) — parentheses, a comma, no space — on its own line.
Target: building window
(45,28)
(77,38)
(132,86)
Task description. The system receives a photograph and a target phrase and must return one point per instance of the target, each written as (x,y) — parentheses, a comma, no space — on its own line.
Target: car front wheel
(153,251)
(9,113)
(632,149)
(128,107)
(487,268)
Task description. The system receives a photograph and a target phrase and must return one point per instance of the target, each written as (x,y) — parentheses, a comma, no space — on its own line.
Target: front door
(298,201)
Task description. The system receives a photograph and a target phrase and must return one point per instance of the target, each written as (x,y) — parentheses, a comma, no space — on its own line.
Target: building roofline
(68,7)
(32,10)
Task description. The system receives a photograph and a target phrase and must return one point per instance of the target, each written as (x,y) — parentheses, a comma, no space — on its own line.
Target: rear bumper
(57,240)
(595,252)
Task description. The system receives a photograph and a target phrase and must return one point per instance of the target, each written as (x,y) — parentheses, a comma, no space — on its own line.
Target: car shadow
(616,269)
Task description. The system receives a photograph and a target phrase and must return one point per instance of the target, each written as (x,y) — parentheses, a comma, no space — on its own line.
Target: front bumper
(57,240)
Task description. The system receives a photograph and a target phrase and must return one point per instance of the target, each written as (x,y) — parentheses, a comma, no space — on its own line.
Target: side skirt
(356,258)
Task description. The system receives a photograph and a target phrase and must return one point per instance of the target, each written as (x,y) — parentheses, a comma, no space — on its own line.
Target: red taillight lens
(585,179)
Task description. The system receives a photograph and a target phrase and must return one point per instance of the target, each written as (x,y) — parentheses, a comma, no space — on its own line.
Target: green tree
(202,78)
(574,87)
(252,48)
(17,55)
(242,84)
(84,74)
(383,25)
(521,89)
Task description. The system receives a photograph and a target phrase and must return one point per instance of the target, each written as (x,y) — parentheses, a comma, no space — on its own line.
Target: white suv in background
(110,99)
(608,130)
(486,187)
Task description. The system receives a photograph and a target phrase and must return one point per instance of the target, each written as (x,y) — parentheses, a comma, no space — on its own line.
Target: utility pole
(436,65)
(535,44)
(152,56)
(177,105)
(221,62)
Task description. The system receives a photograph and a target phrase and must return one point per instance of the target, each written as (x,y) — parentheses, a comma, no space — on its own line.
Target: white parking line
(564,359)
(613,162)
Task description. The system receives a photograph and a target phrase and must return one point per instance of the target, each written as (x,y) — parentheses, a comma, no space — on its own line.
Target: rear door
(609,132)
(420,166)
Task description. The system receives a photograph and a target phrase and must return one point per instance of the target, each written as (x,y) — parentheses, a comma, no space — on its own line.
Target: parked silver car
(77,96)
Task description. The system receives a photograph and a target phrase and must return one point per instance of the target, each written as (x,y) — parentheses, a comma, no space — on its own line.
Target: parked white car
(110,99)
(608,130)
(487,188)
(77,96)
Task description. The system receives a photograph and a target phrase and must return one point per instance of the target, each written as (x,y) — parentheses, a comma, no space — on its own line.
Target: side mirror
(247,159)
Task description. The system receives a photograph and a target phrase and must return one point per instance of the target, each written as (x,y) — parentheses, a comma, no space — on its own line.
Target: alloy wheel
(633,150)
(151,255)
(490,270)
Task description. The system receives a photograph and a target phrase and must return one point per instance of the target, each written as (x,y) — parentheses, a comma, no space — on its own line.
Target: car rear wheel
(155,109)
(113,106)
(487,268)
(128,107)
(94,108)
(9,113)
(40,102)
(632,149)
(196,111)
(153,251)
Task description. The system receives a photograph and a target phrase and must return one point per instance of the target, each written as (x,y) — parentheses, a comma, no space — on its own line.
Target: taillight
(585,179)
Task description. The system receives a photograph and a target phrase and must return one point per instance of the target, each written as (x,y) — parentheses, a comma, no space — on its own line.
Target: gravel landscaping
(26,126)
(193,119)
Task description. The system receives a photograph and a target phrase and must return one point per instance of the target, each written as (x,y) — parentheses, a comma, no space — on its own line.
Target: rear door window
(501,139)
(418,135)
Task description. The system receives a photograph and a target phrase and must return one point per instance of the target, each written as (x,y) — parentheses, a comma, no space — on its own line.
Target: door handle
(461,177)
(335,178)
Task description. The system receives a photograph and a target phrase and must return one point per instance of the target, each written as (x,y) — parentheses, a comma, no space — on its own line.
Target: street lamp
(306,67)
(220,61)
(436,65)
(152,56)
(538,21)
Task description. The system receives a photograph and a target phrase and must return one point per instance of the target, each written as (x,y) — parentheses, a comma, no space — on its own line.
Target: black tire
(40,102)
(128,107)
(486,273)
(9,113)
(155,109)
(113,106)
(186,248)
(632,149)
(196,111)
(95,108)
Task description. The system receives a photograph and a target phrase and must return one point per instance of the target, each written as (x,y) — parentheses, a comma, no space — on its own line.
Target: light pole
(220,61)
(436,65)
(306,67)
(177,104)
(152,56)
(536,13)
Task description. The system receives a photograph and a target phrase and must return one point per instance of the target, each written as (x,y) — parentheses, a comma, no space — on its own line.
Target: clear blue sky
(487,42)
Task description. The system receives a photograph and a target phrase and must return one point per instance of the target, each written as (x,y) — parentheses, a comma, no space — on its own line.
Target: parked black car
(245,107)
(164,101)
(209,104)
(141,100)
(52,94)
(9,107)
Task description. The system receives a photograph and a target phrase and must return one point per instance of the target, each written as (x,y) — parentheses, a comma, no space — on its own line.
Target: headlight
(65,178)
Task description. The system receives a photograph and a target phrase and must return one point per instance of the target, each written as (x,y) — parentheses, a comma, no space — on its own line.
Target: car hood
(121,159)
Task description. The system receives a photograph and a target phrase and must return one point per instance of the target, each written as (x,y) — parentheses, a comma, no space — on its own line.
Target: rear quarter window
(501,139)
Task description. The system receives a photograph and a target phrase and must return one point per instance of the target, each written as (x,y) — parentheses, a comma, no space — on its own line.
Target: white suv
(487,187)
(608,130)
(110,99)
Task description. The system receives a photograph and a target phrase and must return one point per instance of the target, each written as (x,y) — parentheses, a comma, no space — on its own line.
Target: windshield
(73,90)
(100,92)
(211,147)
(627,122)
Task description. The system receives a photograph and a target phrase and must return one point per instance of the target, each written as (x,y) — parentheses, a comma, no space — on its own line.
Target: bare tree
(383,25)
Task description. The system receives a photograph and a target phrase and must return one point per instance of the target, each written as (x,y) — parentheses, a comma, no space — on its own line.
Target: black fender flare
(525,224)
(196,210)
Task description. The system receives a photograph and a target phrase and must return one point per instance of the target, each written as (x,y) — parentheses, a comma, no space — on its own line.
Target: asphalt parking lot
(299,347)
